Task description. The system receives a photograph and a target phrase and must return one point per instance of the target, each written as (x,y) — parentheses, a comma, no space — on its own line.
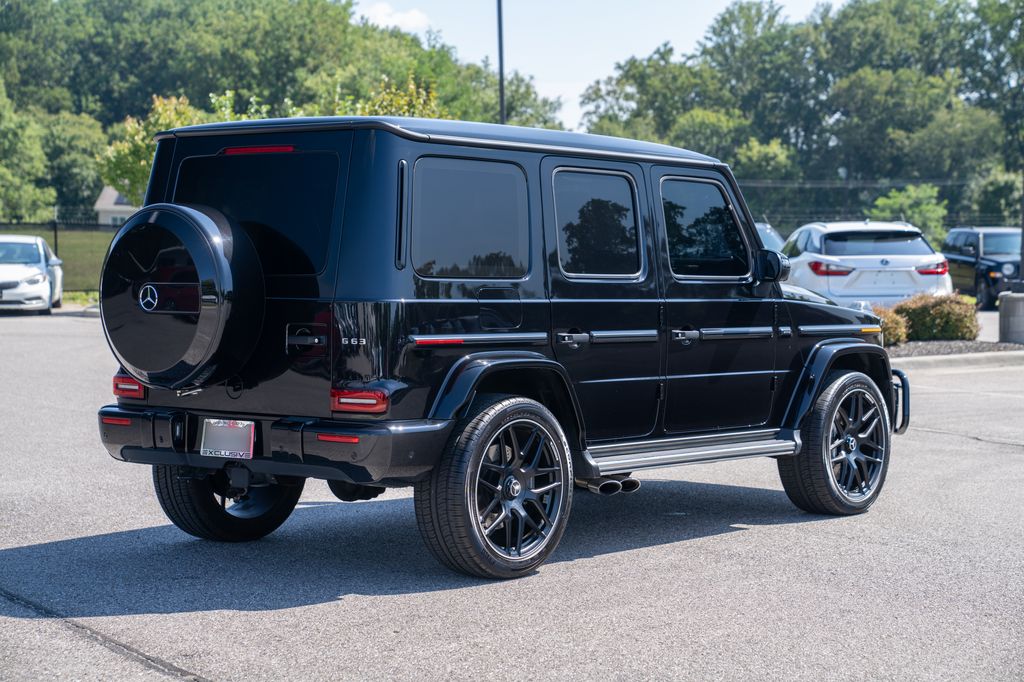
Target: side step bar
(630,457)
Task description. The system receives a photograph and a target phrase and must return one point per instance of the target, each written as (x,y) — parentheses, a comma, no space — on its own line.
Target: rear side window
(876,243)
(283,201)
(595,214)
(470,219)
(703,237)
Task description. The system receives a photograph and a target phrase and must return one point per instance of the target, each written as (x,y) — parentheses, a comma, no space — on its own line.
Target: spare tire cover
(181,296)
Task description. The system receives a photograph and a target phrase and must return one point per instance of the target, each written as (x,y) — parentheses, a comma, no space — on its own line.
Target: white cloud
(383,14)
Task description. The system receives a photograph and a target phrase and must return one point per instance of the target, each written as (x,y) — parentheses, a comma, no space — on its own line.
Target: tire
(986,301)
(192,505)
(833,474)
(486,512)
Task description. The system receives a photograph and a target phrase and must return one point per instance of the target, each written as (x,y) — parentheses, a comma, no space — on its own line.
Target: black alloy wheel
(498,502)
(844,457)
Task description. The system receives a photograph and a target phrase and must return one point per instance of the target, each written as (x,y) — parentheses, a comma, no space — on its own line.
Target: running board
(630,457)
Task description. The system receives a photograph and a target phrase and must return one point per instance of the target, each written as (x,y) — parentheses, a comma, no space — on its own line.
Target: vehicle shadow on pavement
(329,550)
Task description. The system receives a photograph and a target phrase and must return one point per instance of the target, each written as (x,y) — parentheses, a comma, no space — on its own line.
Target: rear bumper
(390,452)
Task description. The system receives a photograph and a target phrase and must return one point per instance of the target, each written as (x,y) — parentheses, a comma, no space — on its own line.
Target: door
(604,294)
(721,324)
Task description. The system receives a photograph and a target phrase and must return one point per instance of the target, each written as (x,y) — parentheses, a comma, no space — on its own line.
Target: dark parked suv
(983,260)
(492,315)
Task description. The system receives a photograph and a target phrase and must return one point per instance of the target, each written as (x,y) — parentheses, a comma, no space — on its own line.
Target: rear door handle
(686,336)
(307,340)
(573,340)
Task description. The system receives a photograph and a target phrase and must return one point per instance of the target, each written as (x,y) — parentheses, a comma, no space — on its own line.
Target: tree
(716,133)
(24,196)
(126,164)
(994,195)
(72,144)
(918,205)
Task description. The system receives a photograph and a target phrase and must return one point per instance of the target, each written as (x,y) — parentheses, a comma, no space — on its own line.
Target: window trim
(736,221)
(640,274)
(411,219)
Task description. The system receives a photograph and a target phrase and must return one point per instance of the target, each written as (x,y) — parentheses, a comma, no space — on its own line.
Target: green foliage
(24,195)
(716,133)
(996,194)
(918,205)
(771,160)
(894,326)
(946,318)
(72,144)
(126,164)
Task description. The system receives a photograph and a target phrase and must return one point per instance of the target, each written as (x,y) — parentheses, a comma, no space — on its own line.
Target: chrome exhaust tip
(629,484)
(600,486)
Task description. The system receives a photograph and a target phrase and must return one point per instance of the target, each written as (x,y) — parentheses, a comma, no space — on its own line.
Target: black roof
(464,132)
(991,228)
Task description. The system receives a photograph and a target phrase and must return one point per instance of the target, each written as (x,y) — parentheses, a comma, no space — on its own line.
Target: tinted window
(703,237)
(953,242)
(1003,243)
(792,247)
(283,201)
(597,227)
(876,243)
(469,219)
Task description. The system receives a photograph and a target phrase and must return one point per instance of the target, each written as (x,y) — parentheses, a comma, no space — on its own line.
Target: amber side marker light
(870,330)
(127,387)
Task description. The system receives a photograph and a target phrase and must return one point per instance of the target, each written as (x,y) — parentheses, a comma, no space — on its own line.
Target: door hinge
(775,381)
(660,393)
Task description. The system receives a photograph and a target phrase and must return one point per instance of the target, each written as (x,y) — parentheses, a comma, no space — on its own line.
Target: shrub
(894,326)
(947,317)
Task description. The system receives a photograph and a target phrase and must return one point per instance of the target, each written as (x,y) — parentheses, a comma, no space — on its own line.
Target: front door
(604,295)
(721,324)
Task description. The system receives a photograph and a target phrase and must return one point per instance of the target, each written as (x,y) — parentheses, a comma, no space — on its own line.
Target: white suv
(866,263)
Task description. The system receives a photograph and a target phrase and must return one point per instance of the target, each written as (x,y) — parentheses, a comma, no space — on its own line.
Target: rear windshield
(284,202)
(1002,243)
(876,243)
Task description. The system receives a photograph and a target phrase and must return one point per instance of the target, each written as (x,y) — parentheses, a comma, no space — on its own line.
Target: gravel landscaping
(919,348)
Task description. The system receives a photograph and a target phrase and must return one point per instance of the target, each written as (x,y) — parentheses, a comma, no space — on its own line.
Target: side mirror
(969,250)
(772,266)
(54,262)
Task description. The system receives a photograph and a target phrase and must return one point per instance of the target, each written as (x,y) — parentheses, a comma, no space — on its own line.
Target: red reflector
(336,438)
(350,400)
(127,387)
(117,421)
(934,268)
(829,269)
(438,342)
(267,149)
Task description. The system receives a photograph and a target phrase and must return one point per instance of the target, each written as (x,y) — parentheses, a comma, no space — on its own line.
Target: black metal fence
(81,246)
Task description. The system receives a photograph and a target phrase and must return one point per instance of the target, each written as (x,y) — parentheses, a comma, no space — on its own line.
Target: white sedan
(31,277)
(859,264)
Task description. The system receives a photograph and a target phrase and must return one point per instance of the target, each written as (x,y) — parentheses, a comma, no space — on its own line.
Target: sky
(564,44)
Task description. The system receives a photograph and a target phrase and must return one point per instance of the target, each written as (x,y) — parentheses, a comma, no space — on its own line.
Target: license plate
(228,438)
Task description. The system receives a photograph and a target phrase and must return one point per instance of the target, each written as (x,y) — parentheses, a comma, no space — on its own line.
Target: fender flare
(821,360)
(460,385)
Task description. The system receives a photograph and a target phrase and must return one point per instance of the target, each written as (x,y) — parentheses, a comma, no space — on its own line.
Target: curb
(988,359)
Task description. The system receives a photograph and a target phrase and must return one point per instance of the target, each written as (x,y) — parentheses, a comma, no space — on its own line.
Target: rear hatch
(287,192)
(884,263)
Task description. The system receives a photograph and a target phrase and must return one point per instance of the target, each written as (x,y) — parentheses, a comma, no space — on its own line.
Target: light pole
(501,68)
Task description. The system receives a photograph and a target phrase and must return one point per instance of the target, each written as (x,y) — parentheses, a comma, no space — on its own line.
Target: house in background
(112,208)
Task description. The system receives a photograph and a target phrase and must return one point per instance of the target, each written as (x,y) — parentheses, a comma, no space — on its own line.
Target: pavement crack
(120,648)
(992,441)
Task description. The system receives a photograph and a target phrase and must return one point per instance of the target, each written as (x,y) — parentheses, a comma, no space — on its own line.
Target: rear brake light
(127,387)
(829,269)
(266,149)
(940,268)
(347,400)
(337,438)
(117,421)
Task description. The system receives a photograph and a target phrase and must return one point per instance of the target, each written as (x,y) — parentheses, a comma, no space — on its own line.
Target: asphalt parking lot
(707,572)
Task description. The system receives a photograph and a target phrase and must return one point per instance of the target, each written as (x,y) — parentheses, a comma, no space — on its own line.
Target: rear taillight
(829,269)
(358,400)
(940,268)
(127,387)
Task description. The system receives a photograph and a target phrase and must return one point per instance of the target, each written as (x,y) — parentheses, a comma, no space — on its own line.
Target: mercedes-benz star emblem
(885,261)
(148,298)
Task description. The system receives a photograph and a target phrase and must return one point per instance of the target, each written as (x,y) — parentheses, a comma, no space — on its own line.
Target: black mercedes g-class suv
(490,314)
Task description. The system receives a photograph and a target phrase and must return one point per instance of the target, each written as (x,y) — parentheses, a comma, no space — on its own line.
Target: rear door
(721,324)
(287,192)
(604,294)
